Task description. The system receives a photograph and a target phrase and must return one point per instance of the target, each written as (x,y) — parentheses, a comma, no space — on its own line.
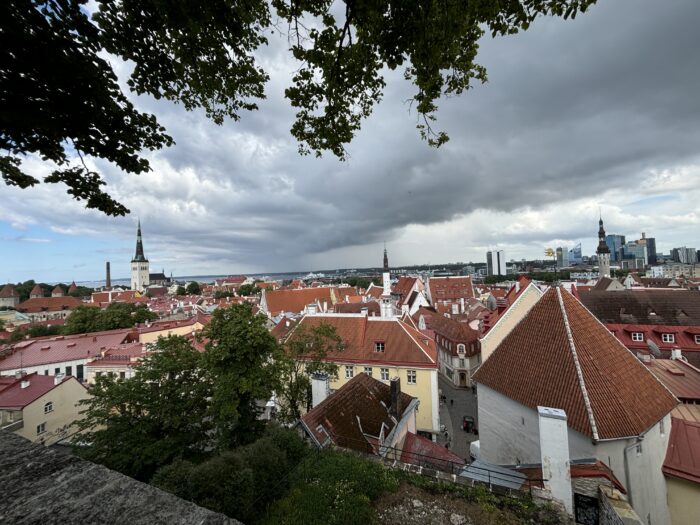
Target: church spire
(139,256)
(386,259)
(602,245)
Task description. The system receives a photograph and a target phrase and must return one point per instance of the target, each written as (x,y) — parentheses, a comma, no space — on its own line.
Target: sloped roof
(560,356)
(356,308)
(294,301)
(456,331)
(58,289)
(14,397)
(49,304)
(450,288)
(671,307)
(683,452)
(403,344)
(403,287)
(681,378)
(418,450)
(37,291)
(357,410)
(8,291)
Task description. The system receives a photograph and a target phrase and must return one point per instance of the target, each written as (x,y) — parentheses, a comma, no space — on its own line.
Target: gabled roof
(357,411)
(403,344)
(560,356)
(456,331)
(403,288)
(49,304)
(8,291)
(294,301)
(683,452)
(37,291)
(644,306)
(418,450)
(450,288)
(14,397)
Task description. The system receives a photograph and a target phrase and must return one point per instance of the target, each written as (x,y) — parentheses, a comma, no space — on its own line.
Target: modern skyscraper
(139,265)
(562,257)
(496,263)
(575,255)
(603,252)
(615,243)
(684,255)
(650,244)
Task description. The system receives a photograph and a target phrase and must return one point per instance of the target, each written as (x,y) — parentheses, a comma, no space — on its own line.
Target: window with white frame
(48,407)
(637,336)
(348,371)
(384,374)
(379,346)
(668,338)
(697,339)
(368,370)
(411,376)
(460,349)
(40,429)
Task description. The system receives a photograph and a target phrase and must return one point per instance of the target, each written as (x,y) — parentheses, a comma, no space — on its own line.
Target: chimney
(396,410)
(319,388)
(461,304)
(325,306)
(364,311)
(676,353)
(25,383)
(554,451)
(455,308)
(58,378)
(20,374)
(311,309)
(108,277)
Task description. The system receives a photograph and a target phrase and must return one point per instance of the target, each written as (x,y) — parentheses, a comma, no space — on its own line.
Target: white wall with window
(411,377)
(349,371)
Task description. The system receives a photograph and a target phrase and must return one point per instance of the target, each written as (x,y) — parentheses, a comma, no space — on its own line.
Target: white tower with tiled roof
(386,309)
(603,252)
(139,265)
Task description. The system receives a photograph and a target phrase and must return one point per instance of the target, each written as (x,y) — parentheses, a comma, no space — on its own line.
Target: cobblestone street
(459,402)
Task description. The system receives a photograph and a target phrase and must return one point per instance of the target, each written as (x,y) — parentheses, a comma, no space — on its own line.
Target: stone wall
(614,509)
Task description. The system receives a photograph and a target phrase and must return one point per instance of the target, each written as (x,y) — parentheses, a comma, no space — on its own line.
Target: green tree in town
(140,424)
(305,353)
(181,291)
(247,289)
(205,55)
(84,319)
(194,288)
(240,362)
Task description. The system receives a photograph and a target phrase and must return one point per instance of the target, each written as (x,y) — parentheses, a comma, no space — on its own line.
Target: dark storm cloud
(571,109)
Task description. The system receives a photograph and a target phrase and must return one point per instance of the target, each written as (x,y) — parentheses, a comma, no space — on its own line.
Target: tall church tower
(603,252)
(139,265)
(386,308)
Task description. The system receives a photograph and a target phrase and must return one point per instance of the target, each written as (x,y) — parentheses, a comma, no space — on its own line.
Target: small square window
(668,338)
(122,375)
(697,339)
(379,346)
(368,370)
(637,336)
(348,371)
(411,377)
(48,407)
(40,429)
(384,374)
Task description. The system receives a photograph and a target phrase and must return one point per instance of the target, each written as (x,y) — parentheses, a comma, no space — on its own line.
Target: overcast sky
(602,112)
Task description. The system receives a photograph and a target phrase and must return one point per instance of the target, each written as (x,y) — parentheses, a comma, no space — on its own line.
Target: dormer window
(460,349)
(637,336)
(697,339)
(668,338)
(379,346)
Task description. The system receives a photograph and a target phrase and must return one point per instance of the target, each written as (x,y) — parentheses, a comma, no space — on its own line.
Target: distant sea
(207,278)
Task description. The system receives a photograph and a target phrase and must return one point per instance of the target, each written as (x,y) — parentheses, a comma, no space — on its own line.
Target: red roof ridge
(577,365)
(405,329)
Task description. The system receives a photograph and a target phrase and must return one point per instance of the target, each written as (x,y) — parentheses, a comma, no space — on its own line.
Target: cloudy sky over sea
(601,112)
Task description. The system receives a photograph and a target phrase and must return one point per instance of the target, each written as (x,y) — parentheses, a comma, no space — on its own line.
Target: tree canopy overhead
(60,99)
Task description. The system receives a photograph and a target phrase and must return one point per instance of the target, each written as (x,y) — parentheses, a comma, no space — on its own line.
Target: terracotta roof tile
(355,412)
(683,452)
(669,307)
(605,390)
(403,344)
(294,301)
(49,304)
(450,288)
(14,397)
(8,291)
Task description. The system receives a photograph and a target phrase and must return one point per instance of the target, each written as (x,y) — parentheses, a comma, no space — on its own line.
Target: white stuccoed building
(561,356)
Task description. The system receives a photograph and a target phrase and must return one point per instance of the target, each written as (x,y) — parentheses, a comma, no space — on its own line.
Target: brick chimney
(396,409)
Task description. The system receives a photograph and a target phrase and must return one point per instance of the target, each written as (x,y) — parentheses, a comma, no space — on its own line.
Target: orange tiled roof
(403,344)
(294,301)
(8,291)
(49,304)
(560,356)
(450,288)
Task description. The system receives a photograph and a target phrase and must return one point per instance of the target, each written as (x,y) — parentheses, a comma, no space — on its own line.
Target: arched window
(460,348)
(48,407)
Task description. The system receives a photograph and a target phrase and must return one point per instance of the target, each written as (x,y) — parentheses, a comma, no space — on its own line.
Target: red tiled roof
(123,355)
(644,306)
(36,352)
(684,336)
(683,452)
(559,355)
(374,291)
(37,291)
(294,301)
(283,327)
(450,288)
(457,332)
(49,304)
(73,287)
(57,290)
(681,378)
(8,291)
(579,470)
(356,308)
(357,411)
(403,288)
(403,344)
(418,450)
(14,397)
